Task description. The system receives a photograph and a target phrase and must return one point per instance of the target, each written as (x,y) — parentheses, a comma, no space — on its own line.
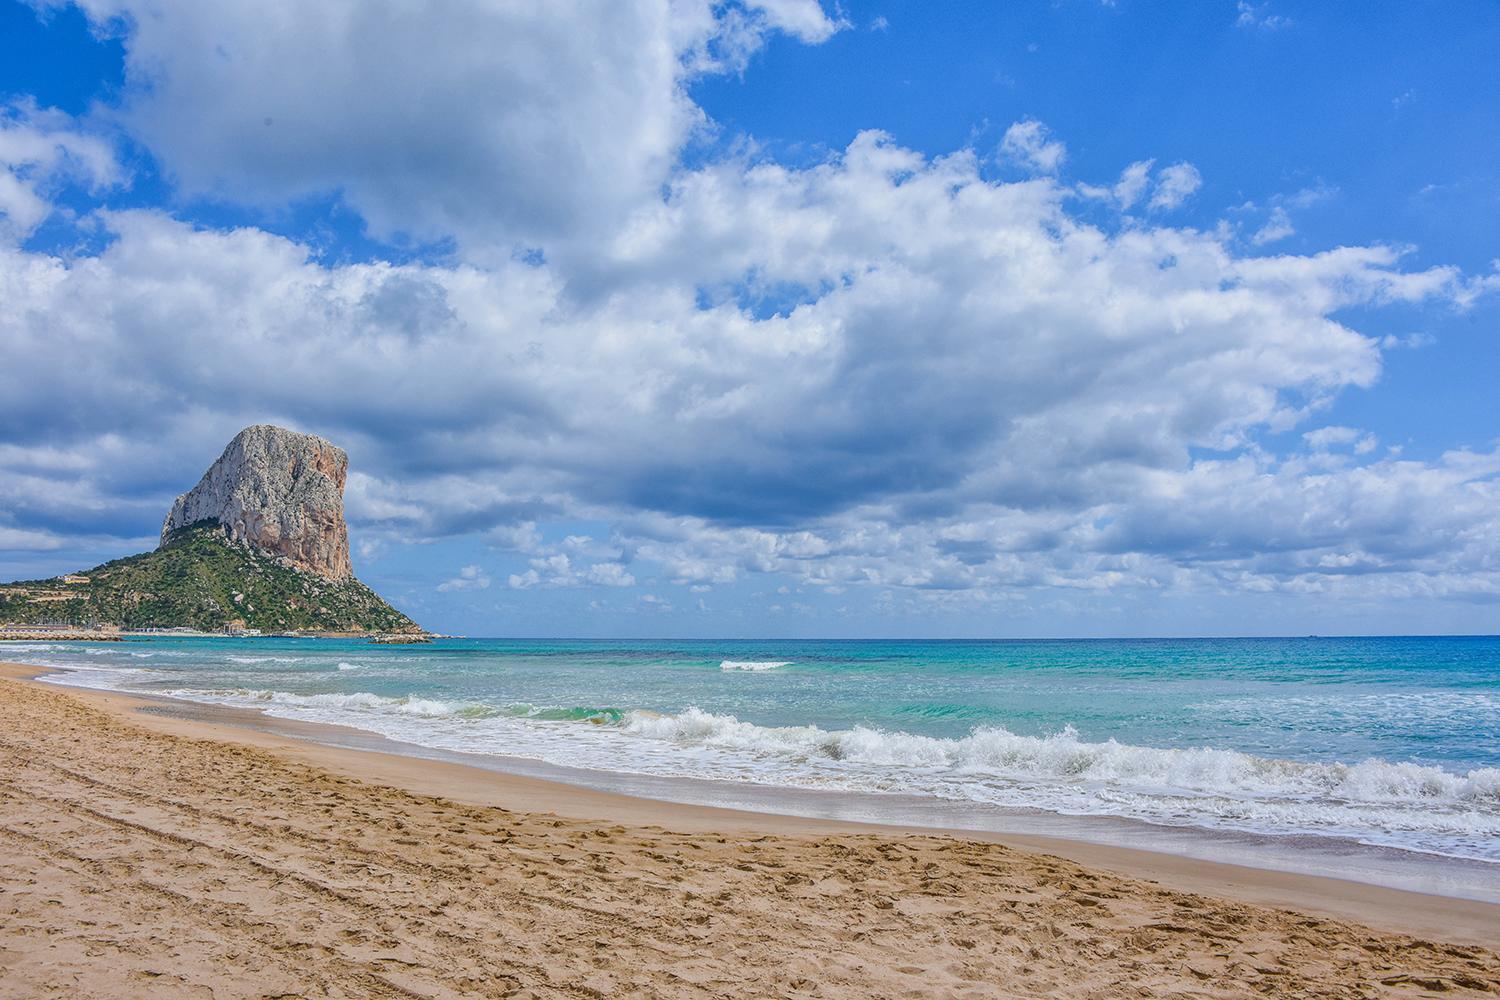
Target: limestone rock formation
(280,492)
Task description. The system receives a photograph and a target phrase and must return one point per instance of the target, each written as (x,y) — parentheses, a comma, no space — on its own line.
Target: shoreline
(143,854)
(1310,856)
(372,758)
(1305,854)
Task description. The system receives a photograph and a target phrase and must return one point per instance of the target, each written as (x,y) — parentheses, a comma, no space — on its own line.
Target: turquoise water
(1386,741)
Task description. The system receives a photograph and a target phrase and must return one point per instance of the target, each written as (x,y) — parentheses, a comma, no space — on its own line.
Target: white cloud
(1060,366)
(557,570)
(546,571)
(804,20)
(609,575)
(1315,194)
(1259,15)
(498,123)
(522,537)
(881,371)
(370,548)
(15,539)
(468,578)
(1029,144)
(41,149)
(1132,183)
(1175,185)
(524,581)
(1278,224)
(1277,227)
(1412,341)
(1325,438)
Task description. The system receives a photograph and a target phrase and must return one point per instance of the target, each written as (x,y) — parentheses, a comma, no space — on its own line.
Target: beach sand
(144,855)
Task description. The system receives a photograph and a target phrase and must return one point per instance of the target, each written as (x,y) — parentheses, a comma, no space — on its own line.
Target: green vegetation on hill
(200,579)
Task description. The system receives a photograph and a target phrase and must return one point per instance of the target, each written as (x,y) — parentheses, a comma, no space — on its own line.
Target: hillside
(199,578)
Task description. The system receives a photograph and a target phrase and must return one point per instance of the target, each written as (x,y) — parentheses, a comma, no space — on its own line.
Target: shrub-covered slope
(201,579)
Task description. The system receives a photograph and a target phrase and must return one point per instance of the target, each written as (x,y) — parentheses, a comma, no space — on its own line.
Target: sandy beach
(147,855)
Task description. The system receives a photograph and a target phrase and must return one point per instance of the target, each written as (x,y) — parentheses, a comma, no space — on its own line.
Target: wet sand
(143,854)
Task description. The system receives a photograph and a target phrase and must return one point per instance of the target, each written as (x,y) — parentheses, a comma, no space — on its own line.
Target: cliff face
(280,492)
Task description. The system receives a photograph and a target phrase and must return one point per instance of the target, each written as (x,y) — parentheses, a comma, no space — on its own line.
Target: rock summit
(279,492)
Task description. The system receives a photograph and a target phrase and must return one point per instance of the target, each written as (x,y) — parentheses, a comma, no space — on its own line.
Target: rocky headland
(259,544)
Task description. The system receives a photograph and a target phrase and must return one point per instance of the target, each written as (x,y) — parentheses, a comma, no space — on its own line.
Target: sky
(777,318)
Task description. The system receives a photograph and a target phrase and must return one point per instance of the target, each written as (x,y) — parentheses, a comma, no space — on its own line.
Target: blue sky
(772,318)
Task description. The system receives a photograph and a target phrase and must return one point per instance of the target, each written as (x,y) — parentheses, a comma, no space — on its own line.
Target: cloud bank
(885,370)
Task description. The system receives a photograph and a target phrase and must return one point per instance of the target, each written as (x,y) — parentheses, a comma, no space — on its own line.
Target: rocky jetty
(279,492)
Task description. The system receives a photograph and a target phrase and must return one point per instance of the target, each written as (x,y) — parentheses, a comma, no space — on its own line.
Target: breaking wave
(755,665)
(1389,802)
(1408,805)
(993,752)
(358,702)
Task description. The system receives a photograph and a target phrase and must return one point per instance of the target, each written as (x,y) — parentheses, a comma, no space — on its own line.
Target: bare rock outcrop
(280,492)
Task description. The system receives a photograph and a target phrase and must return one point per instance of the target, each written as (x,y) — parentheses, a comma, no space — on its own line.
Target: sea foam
(994,752)
(1417,806)
(754,665)
(357,702)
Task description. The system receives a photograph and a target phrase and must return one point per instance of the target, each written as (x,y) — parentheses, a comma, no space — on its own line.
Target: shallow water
(1390,742)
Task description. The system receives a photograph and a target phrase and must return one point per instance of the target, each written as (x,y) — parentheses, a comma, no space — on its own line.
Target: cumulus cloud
(15,539)
(1326,437)
(557,570)
(1029,144)
(609,575)
(1412,525)
(1277,227)
(1259,15)
(804,20)
(1278,224)
(884,370)
(1132,183)
(1175,185)
(468,578)
(501,124)
(40,150)
(961,400)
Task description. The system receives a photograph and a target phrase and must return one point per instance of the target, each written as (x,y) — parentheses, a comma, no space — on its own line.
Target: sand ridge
(135,862)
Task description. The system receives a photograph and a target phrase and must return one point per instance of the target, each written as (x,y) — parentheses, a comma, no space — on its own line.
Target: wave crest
(359,701)
(991,752)
(1409,805)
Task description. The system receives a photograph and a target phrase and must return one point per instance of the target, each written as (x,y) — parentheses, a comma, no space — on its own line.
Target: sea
(1391,744)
